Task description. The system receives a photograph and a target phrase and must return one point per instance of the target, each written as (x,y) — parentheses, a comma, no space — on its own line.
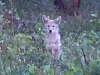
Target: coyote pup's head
(51,26)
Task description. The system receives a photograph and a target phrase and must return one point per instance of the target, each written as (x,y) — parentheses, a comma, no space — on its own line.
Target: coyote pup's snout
(52,37)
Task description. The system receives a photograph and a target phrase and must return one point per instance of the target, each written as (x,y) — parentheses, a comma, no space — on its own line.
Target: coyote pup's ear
(45,19)
(57,20)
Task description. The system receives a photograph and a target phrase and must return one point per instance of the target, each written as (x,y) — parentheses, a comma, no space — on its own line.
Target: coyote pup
(52,36)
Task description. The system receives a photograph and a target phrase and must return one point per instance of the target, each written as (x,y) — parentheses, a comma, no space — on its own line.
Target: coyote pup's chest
(52,38)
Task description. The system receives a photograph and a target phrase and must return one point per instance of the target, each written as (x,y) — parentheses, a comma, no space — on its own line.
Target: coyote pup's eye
(53,26)
(48,25)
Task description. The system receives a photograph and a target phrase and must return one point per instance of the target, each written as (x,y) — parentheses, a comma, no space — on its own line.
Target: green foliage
(48,70)
(32,69)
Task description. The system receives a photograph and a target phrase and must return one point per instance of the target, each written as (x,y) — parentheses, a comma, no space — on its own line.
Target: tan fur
(52,37)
